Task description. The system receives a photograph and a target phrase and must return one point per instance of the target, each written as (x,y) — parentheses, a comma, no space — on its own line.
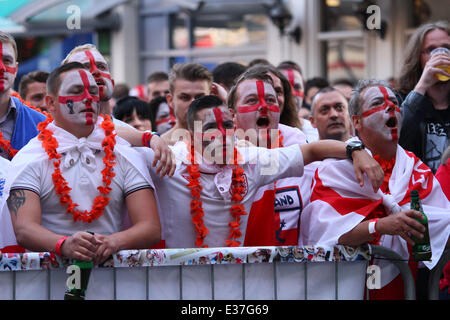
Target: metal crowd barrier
(268,273)
(435,274)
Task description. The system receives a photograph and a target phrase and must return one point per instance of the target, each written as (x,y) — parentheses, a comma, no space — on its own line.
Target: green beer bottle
(85,270)
(422,248)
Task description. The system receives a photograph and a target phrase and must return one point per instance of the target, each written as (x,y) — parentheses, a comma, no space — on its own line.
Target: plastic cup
(446,68)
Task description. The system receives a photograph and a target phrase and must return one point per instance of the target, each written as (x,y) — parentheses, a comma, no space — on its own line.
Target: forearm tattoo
(16,200)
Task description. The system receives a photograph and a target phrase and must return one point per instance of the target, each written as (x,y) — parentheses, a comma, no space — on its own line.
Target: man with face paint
(91,58)
(340,212)
(17,122)
(209,186)
(77,176)
(161,115)
(254,100)
(298,91)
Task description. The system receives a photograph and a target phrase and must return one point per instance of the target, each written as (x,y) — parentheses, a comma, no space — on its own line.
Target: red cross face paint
(257,109)
(381,113)
(165,119)
(8,66)
(98,67)
(216,135)
(257,106)
(78,98)
(296,81)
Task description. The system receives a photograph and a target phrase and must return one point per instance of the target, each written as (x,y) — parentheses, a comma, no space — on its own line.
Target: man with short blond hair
(188,81)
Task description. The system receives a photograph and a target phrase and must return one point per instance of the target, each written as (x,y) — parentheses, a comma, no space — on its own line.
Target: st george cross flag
(339,204)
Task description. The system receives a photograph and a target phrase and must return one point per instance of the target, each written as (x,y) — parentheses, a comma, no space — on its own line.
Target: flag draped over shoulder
(339,204)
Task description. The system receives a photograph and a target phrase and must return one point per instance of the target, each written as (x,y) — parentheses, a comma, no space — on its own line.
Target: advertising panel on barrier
(173,274)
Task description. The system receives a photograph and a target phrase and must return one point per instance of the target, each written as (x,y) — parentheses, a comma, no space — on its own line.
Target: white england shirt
(262,166)
(81,166)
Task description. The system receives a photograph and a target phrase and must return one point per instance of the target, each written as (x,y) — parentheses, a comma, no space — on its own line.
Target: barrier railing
(435,274)
(269,273)
(405,271)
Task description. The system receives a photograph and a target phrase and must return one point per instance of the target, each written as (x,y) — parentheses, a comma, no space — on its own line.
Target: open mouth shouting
(263,122)
(391,123)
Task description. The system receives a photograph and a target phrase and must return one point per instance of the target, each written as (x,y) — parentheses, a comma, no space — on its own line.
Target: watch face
(353,144)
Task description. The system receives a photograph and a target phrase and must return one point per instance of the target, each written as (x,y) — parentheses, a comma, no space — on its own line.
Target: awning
(40,17)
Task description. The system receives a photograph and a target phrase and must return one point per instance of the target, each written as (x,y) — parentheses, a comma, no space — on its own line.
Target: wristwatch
(354,145)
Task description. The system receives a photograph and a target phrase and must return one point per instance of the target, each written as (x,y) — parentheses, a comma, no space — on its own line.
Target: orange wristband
(59,244)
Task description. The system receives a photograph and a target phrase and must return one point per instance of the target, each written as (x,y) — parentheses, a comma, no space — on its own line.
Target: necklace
(236,210)
(49,143)
(5,144)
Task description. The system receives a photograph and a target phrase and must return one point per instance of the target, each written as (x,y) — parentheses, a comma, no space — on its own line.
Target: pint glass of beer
(446,68)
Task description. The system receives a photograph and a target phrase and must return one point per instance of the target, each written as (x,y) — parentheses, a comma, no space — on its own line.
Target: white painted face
(97,65)
(78,98)
(380,112)
(257,110)
(296,82)
(257,106)
(165,119)
(8,66)
(216,136)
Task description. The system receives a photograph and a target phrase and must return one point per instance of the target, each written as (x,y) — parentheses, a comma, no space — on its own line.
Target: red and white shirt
(174,196)
(275,213)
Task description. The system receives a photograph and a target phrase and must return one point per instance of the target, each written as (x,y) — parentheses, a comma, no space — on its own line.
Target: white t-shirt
(7,237)
(292,135)
(83,175)
(311,133)
(174,196)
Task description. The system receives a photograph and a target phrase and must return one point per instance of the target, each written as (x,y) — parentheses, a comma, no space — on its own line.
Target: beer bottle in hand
(85,273)
(422,248)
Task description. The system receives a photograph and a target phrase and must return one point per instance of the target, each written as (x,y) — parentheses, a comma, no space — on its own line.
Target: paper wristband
(372,227)
(59,245)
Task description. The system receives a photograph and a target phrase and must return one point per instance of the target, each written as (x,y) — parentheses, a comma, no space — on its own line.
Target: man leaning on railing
(341,212)
(77,176)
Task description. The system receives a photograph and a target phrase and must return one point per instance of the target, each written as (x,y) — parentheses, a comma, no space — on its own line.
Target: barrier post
(435,274)
(405,271)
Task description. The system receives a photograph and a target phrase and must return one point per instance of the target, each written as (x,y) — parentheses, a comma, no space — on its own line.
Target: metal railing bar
(435,274)
(275,281)
(49,283)
(243,281)
(115,283)
(147,284)
(181,282)
(405,271)
(212,282)
(14,285)
(306,280)
(336,280)
(367,289)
